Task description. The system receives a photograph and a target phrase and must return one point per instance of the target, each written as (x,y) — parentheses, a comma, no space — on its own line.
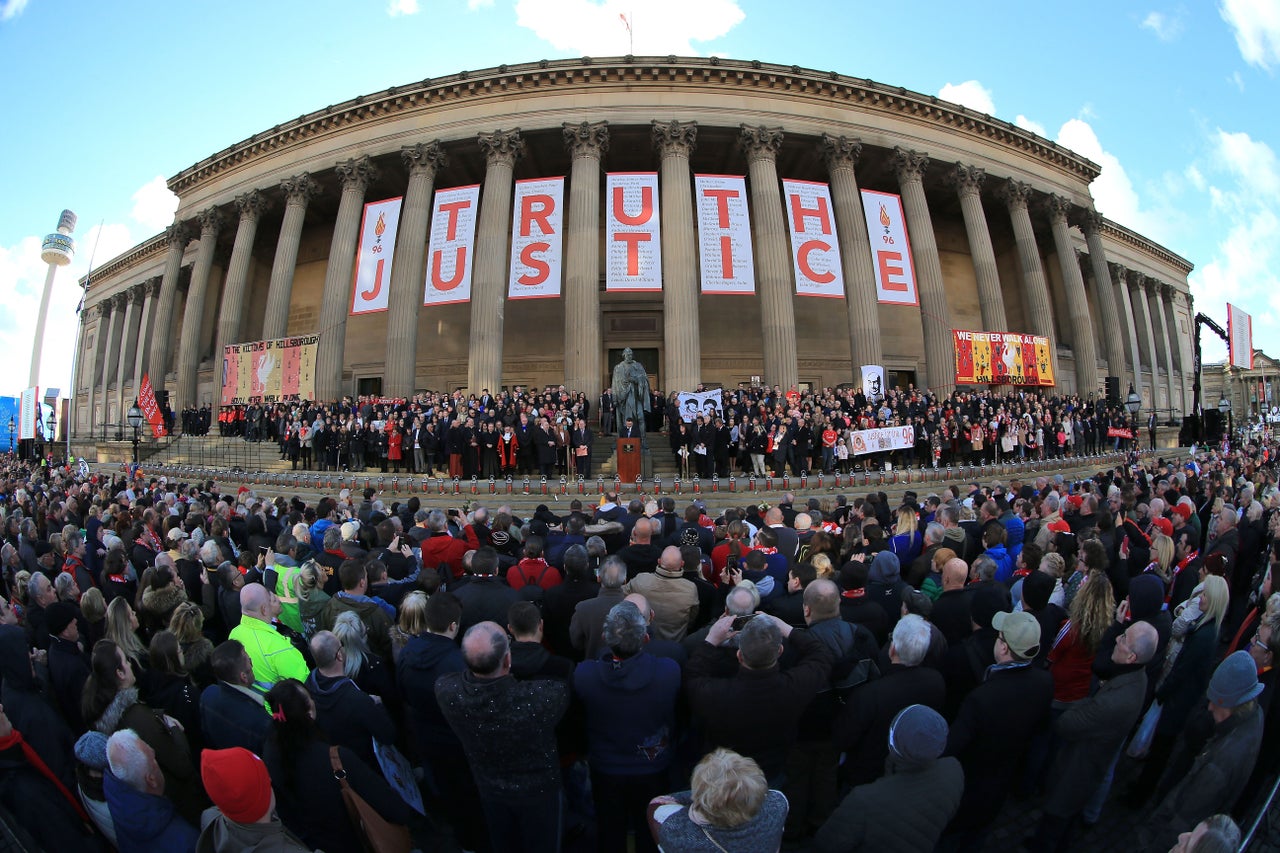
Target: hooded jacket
(630,712)
(349,717)
(223,835)
(146,823)
(1146,604)
(30,711)
(422,661)
(884,584)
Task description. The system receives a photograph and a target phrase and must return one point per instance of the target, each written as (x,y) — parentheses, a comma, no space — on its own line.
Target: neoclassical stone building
(1004,236)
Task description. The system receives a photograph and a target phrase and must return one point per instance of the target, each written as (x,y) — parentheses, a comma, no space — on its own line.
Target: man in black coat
(68,663)
(486,595)
(232,713)
(996,722)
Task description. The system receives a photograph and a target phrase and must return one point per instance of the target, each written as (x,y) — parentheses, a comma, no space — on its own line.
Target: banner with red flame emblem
(1002,358)
(372,280)
(890,248)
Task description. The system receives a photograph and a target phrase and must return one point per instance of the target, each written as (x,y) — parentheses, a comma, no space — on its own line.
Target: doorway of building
(369,386)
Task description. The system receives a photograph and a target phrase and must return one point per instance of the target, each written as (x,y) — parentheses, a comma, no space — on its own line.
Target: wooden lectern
(629,459)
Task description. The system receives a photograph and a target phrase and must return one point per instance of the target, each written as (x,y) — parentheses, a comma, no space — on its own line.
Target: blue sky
(104,101)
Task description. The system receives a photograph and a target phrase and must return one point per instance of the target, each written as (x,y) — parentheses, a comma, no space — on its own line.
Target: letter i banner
(451,249)
(724,234)
(815,254)
(537,239)
(370,284)
(633,239)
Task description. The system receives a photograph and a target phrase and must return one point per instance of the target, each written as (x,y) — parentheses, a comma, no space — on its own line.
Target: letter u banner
(815,254)
(370,284)
(451,249)
(633,239)
(537,235)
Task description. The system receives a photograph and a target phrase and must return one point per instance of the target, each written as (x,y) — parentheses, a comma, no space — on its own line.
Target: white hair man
(144,818)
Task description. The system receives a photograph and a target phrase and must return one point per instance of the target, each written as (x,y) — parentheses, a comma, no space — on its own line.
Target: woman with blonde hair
(361,665)
(122,629)
(308,588)
(1071,658)
(729,807)
(907,541)
(1161,564)
(1181,690)
(94,609)
(822,567)
(411,623)
(187,625)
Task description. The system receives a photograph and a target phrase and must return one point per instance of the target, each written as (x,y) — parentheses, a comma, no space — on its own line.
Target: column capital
(115,301)
(501,146)
(178,235)
(1152,285)
(1119,272)
(1016,194)
(840,152)
(94,311)
(968,180)
(1058,208)
(151,287)
(356,173)
(1090,222)
(136,293)
(586,139)
(251,205)
(675,137)
(1137,280)
(424,157)
(909,165)
(300,189)
(210,221)
(760,142)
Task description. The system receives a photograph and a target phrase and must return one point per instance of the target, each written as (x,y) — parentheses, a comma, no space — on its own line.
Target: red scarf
(37,763)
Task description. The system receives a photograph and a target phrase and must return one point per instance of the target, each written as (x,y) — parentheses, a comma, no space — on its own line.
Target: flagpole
(75,353)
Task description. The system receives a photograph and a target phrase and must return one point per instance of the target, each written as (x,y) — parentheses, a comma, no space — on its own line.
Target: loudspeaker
(1113,390)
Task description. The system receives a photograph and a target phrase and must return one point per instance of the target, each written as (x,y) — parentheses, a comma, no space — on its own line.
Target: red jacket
(443,548)
(531,571)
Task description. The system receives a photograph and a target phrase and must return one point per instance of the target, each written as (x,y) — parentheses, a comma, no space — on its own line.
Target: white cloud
(1034,126)
(596,27)
(396,8)
(1113,192)
(971,94)
(1194,177)
(10,9)
(154,204)
(1256,26)
(1166,27)
(22,275)
(1245,266)
(1236,80)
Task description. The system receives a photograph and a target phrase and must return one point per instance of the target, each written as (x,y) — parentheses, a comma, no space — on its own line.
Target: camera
(740,622)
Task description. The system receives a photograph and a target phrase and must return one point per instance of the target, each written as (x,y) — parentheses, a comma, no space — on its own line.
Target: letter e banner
(890,249)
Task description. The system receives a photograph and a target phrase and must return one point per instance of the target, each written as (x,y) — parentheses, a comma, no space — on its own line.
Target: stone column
(113,317)
(150,289)
(1103,294)
(682,349)
(128,341)
(968,181)
(97,312)
(935,315)
(298,190)
(1082,343)
(189,344)
(355,176)
(586,143)
(1120,284)
(1146,328)
(841,155)
(162,341)
(1039,310)
(1160,324)
(408,282)
(773,262)
(1185,361)
(493,237)
(231,313)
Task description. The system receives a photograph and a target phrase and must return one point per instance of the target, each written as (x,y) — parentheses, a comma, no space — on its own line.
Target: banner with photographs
(883,439)
(697,403)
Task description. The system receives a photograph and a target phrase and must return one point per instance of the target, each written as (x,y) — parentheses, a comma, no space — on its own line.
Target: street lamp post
(12,428)
(135,421)
(1224,408)
(53,428)
(1133,403)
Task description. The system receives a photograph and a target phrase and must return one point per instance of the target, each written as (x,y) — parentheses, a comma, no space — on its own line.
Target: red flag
(150,408)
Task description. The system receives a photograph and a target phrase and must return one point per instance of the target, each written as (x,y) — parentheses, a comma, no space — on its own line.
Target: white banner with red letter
(370,284)
(814,251)
(890,248)
(633,253)
(537,235)
(882,439)
(724,234)
(1240,337)
(451,249)
(150,408)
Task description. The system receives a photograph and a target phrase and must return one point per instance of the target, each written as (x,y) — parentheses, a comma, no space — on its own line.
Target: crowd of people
(185,668)
(755,430)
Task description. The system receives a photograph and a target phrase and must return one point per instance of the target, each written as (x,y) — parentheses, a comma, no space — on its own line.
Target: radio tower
(57,251)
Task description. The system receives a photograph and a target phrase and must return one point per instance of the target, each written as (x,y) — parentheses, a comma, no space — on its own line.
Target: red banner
(150,408)
(1119,432)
